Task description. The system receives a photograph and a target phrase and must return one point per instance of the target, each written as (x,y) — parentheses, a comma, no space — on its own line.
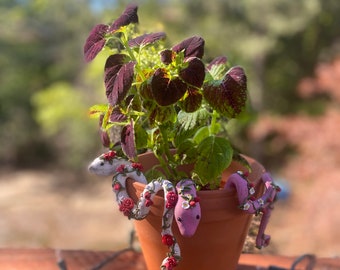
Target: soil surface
(53,209)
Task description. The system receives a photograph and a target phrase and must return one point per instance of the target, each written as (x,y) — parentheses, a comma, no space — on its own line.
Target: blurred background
(291,53)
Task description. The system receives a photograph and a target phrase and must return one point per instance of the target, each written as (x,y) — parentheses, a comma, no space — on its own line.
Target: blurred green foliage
(41,43)
(61,114)
(46,88)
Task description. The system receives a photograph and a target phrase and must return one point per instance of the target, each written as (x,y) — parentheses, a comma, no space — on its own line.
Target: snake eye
(101,163)
(198,217)
(179,219)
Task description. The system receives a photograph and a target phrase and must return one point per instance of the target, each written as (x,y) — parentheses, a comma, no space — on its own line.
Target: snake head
(188,209)
(106,164)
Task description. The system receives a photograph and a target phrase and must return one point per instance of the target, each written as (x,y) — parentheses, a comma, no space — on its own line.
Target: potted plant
(167,107)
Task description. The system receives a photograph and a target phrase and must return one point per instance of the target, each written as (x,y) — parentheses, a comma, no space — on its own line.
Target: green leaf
(214,154)
(216,68)
(165,114)
(97,110)
(106,118)
(141,137)
(186,152)
(153,174)
(182,134)
(190,120)
(201,134)
(215,128)
(159,114)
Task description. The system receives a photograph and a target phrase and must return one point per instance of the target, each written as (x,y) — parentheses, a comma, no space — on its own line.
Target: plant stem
(213,122)
(166,151)
(125,43)
(163,164)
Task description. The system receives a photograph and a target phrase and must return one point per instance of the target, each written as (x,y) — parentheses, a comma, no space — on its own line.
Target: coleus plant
(164,98)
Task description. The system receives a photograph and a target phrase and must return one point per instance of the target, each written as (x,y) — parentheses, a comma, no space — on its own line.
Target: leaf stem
(125,43)
(165,150)
(213,122)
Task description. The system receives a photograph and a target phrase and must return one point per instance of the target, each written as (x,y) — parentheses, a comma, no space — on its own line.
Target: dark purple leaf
(166,91)
(104,137)
(128,141)
(149,106)
(192,102)
(229,96)
(212,92)
(161,114)
(101,118)
(95,42)
(193,74)
(117,115)
(129,99)
(133,102)
(167,56)
(220,60)
(128,16)
(193,47)
(145,90)
(118,77)
(146,39)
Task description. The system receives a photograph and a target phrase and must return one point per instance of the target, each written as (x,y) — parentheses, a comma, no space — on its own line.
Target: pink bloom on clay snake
(116,186)
(148,203)
(121,168)
(109,156)
(168,240)
(172,198)
(147,195)
(171,263)
(137,166)
(126,206)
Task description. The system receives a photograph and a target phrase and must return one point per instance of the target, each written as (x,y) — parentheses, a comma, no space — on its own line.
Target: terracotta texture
(220,236)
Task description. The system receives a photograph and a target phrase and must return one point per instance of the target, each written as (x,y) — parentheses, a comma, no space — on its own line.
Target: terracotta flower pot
(218,241)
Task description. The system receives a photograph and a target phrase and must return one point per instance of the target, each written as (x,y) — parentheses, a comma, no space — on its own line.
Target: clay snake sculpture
(180,202)
(245,193)
(187,221)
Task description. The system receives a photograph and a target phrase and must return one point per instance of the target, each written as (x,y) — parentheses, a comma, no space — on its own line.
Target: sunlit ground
(37,212)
